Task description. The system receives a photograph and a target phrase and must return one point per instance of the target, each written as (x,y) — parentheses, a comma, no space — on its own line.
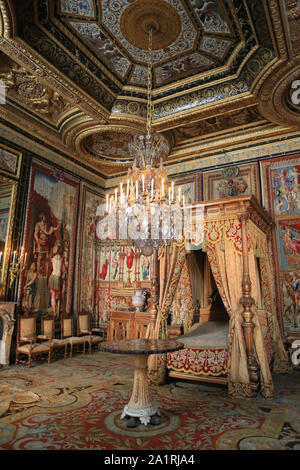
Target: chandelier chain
(149,91)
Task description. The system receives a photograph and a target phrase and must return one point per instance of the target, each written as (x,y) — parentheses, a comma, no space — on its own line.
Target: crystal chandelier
(147,206)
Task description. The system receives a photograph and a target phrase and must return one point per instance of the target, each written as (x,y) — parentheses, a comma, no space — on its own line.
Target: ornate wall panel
(281,196)
(231,181)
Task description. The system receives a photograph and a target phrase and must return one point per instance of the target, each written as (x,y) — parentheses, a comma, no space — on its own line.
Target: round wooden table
(140,406)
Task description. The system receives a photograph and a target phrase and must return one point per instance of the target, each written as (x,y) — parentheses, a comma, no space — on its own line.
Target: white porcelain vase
(139,299)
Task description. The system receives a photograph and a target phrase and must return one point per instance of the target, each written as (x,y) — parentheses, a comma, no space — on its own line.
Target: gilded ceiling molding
(31,144)
(273,96)
(35,128)
(189,116)
(7,19)
(226,142)
(25,56)
(211,127)
(95,131)
(80,46)
(27,90)
(78,129)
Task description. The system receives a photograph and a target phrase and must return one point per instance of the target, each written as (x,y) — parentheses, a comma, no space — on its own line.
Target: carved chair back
(26,328)
(66,326)
(47,327)
(83,323)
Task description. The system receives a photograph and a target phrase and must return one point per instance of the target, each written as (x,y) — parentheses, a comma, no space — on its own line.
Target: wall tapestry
(281,196)
(231,181)
(9,160)
(50,236)
(119,269)
(85,260)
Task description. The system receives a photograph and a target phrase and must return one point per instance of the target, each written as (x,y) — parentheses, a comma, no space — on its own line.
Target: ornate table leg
(140,405)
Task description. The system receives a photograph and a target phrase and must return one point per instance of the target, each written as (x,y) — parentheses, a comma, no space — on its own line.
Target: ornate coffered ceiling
(76,73)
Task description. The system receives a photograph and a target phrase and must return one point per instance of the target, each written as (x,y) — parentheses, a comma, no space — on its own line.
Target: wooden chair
(26,340)
(67,333)
(99,328)
(83,328)
(48,333)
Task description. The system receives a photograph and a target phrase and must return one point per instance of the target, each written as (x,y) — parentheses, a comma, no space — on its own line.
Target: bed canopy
(235,236)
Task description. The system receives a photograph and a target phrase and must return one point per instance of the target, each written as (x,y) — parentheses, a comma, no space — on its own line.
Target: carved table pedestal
(140,406)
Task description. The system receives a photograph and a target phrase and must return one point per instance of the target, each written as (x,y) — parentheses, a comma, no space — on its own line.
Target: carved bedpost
(247,301)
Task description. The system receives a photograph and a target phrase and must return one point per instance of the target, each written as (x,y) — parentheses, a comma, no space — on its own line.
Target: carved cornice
(26,89)
(39,67)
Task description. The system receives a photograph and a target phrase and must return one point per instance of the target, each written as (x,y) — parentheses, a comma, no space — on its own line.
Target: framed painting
(231,181)
(50,237)
(190,187)
(10,161)
(281,197)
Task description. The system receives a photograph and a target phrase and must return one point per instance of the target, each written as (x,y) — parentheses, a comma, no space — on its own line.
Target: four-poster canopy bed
(238,350)
(238,342)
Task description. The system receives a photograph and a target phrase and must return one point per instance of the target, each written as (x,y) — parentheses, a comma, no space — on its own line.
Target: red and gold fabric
(204,361)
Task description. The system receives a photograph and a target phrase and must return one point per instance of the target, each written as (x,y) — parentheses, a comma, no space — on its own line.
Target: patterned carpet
(76,403)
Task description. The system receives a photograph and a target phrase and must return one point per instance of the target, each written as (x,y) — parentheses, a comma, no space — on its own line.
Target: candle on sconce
(152,188)
(107,196)
(143,182)
(172,190)
(0,257)
(179,194)
(162,188)
(169,195)
(136,190)
(14,258)
(127,188)
(25,258)
(116,195)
